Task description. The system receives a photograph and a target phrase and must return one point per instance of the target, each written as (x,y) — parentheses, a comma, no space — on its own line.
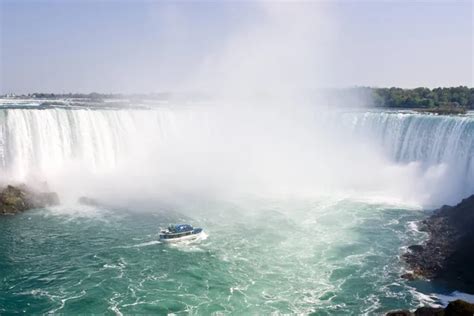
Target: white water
(45,141)
(443,146)
(408,158)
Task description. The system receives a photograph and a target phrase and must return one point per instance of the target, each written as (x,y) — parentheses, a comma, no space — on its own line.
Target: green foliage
(453,97)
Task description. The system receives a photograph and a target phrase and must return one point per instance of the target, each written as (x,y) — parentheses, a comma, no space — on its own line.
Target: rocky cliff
(448,254)
(14,199)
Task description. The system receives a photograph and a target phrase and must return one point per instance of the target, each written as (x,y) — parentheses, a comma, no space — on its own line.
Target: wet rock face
(459,307)
(14,199)
(448,254)
(429,311)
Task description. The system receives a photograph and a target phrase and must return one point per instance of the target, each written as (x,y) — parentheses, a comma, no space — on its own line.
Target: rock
(416,248)
(447,256)
(15,199)
(88,201)
(459,308)
(408,276)
(429,311)
(48,198)
(12,200)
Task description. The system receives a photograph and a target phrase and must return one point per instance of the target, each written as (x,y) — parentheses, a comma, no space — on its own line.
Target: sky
(156,46)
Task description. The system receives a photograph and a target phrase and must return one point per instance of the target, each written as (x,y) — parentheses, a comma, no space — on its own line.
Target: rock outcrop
(14,199)
(448,254)
(84,200)
(454,308)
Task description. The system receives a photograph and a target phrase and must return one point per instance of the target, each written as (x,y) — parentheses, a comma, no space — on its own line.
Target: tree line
(462,97)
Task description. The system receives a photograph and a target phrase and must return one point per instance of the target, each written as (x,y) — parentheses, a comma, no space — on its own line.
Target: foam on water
(304,257)
(191,245)
(456,295)
(149,243)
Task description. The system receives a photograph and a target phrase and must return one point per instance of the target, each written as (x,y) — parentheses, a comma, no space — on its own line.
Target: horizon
(133,47)
(26,94)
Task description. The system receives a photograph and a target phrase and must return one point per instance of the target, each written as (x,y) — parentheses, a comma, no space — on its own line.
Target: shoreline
(446,257)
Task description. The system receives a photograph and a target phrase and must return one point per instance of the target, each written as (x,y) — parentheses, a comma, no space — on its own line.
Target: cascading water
(431,140)
(42,143)
(417,137)
(33,141)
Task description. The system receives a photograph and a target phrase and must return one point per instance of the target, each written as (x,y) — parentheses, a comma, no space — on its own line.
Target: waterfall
(43,142)
(429,139)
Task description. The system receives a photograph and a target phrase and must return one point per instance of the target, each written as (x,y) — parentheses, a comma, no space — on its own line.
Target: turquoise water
(259,257)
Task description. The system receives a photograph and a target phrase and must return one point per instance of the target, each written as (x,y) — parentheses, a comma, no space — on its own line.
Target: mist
(268,130)
(227,152)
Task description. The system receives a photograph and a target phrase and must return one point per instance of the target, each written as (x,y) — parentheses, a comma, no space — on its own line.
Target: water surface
(332,257)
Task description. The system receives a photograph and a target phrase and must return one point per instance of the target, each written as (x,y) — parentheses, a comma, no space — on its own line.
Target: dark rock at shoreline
(454,308)
(415,248)
(430,311)
(448,254)
(411,276)
(14,199)
(459,307)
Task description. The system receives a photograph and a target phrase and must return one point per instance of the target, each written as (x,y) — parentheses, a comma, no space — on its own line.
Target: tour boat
(179,232)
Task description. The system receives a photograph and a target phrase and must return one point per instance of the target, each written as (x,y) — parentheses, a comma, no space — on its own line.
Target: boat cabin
(177,231)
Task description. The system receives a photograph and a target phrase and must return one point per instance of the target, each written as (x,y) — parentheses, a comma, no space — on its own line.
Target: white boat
(179,232)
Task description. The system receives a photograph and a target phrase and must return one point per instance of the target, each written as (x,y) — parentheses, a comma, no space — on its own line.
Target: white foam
(445,299)
(413,226)
(190,245)
(148,243)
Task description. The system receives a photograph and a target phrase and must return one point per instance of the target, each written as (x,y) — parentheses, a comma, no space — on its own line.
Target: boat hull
(183,238)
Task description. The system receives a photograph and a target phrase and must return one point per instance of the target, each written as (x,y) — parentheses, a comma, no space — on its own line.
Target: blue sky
(151,46)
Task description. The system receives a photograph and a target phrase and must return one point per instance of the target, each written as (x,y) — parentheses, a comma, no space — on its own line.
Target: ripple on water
(336,257)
